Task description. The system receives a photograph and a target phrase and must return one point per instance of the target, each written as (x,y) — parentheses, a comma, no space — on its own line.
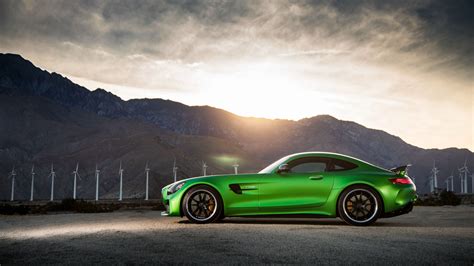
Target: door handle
(316,177)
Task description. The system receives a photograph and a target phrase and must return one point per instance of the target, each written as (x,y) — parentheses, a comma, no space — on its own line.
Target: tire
(202,204)
(359,205)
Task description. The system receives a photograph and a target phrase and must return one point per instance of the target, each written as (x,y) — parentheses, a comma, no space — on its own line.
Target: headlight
(175,187)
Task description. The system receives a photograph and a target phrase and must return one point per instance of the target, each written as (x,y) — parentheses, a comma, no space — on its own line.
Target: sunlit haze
(403,67)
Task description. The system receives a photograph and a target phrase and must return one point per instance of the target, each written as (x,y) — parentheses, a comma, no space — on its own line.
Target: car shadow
(296,221)
(283,221)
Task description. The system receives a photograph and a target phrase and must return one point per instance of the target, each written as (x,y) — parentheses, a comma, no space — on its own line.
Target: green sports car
(305,184)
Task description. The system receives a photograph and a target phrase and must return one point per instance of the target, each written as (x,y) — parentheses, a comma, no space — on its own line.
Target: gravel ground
(428,235)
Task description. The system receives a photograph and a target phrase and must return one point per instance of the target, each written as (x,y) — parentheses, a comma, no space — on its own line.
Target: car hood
(212,177)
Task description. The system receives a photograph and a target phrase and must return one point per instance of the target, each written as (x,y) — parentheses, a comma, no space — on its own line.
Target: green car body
(273,192)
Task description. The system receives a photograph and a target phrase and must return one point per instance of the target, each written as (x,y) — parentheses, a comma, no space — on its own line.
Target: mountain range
(46,119)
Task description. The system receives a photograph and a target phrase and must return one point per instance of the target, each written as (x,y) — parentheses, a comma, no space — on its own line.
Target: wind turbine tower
(53,175)
(75,173)
(13,174)
(97,174)
(472,184)
(147,170)
(463,171)
(32,182)
(450,183)
(121,181)
(175,171)
(236,167)
(204,168)
(434,178)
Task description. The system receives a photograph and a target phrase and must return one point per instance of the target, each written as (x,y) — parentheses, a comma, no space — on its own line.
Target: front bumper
(167,208)
(171,202)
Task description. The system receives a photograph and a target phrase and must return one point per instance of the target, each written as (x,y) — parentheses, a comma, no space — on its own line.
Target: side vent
(236,188)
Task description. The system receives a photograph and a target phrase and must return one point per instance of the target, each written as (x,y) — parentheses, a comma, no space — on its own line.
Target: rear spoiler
(401,170)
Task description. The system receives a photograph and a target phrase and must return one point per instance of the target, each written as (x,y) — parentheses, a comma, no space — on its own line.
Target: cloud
(322,52)
(436,31)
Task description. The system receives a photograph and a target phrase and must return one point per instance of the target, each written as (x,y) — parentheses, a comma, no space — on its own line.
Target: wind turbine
(147,170)
(53,175)
(13,174)
(204,168)
(463,171)
(76,174)
(121,181)
(236,167)
(97,174)
(32,182)
(175,170)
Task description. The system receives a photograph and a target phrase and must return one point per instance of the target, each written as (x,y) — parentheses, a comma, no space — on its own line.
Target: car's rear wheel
(202,204)
(359,205)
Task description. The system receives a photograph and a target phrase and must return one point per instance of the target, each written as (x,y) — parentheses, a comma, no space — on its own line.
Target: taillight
(401,181)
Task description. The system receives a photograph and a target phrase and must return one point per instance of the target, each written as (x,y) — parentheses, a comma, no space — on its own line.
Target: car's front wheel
(359,205)
(202,204)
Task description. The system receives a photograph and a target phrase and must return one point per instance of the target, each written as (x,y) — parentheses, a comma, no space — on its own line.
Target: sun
(263,89)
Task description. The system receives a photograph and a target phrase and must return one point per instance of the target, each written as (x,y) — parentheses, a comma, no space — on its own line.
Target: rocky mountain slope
(46,118)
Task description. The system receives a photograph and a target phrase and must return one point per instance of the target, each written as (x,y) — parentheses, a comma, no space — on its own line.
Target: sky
(405,67)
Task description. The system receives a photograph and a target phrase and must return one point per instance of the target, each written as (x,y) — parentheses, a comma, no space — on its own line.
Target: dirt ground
(428,235)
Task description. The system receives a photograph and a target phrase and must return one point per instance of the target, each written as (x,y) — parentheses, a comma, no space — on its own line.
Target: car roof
(333,155)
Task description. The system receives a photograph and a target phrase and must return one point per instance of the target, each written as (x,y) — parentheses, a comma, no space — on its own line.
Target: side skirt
(285,216)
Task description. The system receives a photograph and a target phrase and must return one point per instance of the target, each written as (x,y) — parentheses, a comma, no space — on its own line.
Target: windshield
(271,167)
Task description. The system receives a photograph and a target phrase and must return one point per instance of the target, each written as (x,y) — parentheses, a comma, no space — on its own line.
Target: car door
(305,187)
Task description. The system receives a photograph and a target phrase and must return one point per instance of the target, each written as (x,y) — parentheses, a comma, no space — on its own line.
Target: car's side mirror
(284,168)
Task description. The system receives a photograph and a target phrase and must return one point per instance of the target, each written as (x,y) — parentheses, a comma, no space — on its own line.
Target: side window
(341,165)
(309,165)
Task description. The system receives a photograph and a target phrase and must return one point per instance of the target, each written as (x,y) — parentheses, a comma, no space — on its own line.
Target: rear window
(341,165)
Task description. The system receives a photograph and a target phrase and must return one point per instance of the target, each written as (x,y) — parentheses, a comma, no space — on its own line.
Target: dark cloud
(450,24)
(431,35)
(125,24)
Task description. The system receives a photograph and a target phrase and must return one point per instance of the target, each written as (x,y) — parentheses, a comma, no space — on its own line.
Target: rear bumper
(403,210)
(397,198)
